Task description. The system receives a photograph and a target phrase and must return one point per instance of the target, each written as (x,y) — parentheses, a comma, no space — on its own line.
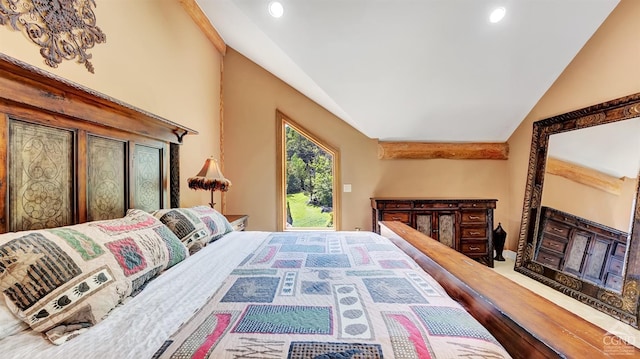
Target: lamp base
(212,203)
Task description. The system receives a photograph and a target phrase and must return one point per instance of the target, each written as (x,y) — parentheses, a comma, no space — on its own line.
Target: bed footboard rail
(526,324)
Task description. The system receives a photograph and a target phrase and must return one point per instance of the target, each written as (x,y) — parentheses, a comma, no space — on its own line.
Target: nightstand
(238,221)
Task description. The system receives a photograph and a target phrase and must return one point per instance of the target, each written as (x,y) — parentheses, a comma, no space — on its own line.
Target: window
(308,179)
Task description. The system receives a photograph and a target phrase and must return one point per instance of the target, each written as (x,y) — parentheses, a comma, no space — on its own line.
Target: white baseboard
(509,254)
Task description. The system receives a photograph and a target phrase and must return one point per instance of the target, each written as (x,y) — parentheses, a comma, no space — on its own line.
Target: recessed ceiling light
(497,15)
(276,9)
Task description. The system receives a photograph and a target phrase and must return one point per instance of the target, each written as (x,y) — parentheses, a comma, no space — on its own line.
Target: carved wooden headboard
(69,154)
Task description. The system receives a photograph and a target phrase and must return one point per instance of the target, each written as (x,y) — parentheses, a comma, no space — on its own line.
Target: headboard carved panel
(106,178)
(69,154)
(148,177)
(41,176)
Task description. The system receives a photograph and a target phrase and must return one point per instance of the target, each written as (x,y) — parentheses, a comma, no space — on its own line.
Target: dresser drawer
(426,205)
(556,229)
(615,266)
(240,226)
(396,216)
(474,216)
(397,205)
(613,282)
(555,245)
(473,248)
(619,249)
(441,205)
(474,205)
(548,259)
(562,217)
(474,232)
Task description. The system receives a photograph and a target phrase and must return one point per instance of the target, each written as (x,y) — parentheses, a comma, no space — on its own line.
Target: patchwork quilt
(330,295)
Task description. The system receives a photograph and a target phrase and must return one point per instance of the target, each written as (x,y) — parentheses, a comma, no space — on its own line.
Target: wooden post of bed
(526,324)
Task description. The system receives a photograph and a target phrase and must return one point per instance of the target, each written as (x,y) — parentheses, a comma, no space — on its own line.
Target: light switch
(347,187)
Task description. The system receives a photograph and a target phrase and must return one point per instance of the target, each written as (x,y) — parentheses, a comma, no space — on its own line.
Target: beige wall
(607,67)
(156,59)
(447,179)
(251,97)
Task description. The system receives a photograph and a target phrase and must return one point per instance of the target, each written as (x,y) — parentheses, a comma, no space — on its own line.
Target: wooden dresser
(465,225)
(585,249)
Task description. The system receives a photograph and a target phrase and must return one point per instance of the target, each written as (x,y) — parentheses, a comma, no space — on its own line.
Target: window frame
(283,120)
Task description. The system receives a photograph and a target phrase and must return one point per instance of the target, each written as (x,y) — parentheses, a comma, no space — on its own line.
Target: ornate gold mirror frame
(64,29)
(624,305)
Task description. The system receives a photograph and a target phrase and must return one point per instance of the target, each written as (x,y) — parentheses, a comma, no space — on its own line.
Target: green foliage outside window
(309,171)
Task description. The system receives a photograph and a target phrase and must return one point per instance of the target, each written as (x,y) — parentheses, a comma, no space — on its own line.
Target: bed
(281,295)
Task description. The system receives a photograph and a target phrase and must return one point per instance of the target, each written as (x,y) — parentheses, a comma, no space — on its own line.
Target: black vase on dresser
(499,237)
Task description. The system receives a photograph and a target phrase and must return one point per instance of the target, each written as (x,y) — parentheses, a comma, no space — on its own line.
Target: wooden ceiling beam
(584,175)
(193,9)
(433,150)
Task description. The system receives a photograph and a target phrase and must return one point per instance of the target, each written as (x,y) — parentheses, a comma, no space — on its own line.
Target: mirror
(581,215)
(592,169)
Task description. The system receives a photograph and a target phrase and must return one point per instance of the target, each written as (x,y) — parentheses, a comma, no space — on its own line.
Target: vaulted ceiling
(415,70)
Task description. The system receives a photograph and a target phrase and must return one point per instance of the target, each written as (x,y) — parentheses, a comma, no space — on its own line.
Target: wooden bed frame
(526,324)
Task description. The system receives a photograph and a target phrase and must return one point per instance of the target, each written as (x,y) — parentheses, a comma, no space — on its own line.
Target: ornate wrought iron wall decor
(64,29)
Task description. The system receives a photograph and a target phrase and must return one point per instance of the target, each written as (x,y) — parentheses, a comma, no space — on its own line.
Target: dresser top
(435,199)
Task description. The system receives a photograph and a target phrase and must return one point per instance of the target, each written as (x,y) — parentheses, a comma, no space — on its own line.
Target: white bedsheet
(138,328)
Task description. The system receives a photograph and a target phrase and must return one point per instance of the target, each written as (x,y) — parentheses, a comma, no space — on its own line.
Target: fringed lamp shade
(210,178)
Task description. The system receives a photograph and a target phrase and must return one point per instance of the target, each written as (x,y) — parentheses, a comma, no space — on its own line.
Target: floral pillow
(63,280)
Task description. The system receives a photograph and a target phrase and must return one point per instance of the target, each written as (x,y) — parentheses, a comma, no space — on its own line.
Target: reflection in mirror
(580,221)
(593,172)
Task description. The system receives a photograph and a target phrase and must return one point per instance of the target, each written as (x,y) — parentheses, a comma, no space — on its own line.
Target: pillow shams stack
(63,280)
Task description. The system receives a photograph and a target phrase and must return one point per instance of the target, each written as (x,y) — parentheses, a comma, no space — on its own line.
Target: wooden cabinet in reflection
(582,248)
(463,224)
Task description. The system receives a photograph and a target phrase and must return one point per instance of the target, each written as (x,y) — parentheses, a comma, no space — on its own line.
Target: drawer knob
(556,229)
(474,233)
(474,217)
(395,218)
(474,248)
